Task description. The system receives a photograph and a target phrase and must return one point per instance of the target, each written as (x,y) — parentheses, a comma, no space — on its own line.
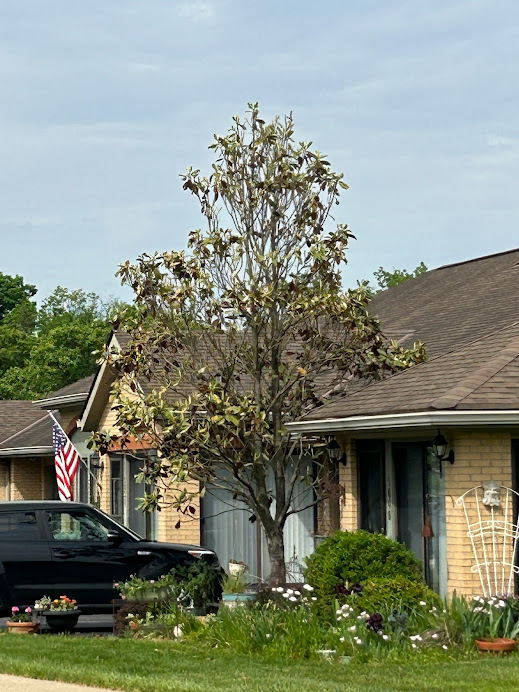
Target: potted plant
(61,613)
(22,622)
(235,591)
(496,623)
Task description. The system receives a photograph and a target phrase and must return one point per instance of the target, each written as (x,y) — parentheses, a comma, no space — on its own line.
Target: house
(466,395)
(26,451)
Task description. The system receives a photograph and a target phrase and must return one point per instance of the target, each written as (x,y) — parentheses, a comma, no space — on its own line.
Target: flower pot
(61,620)
(235,569)
(23,627)
(496,644)
(231,600)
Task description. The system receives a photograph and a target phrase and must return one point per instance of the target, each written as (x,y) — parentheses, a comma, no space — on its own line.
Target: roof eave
(407,420)
(59,401)
(27,452)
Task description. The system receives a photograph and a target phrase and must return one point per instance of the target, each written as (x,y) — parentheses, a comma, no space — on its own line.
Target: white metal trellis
(494,534)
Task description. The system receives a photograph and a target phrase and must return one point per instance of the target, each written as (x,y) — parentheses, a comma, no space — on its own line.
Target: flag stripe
(66,461)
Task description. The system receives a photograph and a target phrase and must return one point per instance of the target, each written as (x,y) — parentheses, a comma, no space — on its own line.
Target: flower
(385,637)
(268,636)
(341,639)
(297,593)
(308,587)
(292,598)
(285,595)
(358,640)
(352,628)
(279,589)
(435,635)
(28,609)
(414,646)
(290,592)
(423,603)
(314,598)
(445,647)
(15,609)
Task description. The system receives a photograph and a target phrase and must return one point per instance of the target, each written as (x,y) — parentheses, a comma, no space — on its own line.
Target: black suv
(73,549)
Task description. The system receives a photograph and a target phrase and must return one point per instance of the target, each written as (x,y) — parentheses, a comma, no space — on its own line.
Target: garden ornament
(491,494)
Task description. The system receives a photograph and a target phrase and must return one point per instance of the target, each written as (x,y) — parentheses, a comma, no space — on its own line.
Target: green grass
(160,666)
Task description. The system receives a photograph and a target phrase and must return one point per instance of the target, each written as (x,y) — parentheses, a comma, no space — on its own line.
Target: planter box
(232,600)
(61,620)
(496,644)
(23,627)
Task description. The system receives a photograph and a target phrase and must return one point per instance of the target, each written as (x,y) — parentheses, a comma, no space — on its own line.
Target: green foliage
(13,290)
(388,279)
(385,595)
(44,350)
(348,558)
(234,583)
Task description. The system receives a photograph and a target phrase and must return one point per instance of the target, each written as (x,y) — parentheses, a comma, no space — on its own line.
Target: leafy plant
(387,595)
(62,604)
(345,559)
(18,616)
(234,583)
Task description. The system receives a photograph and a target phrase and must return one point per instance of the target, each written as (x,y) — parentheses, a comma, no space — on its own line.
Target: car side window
(76,526)
(18,526)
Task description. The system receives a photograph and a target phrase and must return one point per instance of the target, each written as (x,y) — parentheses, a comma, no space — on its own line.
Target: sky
(104,103)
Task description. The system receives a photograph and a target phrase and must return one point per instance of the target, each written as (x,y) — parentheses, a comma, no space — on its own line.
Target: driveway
(12,683)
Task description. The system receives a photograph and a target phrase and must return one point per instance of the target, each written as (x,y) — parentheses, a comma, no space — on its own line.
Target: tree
(46,349)
(13,290)
(238,337)
(388,279)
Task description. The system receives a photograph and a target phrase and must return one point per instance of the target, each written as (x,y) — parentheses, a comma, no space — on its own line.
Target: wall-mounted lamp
(336,452)
(440,445)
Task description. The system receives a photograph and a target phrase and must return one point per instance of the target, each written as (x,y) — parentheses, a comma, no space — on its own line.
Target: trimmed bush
(399,593)
(349,558)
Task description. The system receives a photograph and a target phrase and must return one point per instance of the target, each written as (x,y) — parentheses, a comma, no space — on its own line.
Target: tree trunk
(276,549)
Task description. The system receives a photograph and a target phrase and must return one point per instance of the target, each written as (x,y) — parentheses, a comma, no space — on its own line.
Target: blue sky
(104,103)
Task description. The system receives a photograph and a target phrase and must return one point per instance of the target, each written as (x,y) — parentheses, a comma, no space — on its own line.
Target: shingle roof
(80,387)
(467,314)
(37,434)
(16,416)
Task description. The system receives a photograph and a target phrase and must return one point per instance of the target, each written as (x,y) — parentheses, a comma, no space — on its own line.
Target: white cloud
(196,11)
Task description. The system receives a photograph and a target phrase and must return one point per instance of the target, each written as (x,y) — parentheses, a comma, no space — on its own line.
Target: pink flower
(15,609)
(28,609)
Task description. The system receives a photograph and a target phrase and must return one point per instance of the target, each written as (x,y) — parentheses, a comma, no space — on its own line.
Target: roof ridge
(478,378)
(27,427)
(476,259)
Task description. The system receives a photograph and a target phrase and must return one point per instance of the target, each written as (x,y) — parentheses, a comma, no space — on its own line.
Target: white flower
(414,646)
(285,595)
(478,609)
(280,589)
(268,636)
(341,639)
(445,647)
(297,593)
(423,603)
(352,628)
(434,636)
(290,592)
(338,612)
(308,587)
(292,598)
(502,604)
(433,610)
(380,632)
(385,637)
(274,588)
(314,598)
(177,631)
(358,640)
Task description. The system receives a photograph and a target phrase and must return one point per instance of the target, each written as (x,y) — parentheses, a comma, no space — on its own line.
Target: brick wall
(189,530)
(4,481)
(479,457)
(348,481)
(26,479)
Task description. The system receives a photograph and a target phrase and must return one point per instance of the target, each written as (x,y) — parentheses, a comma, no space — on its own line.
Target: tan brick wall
(26,479)
(189,530)
(4,481)
(479,457)
(348,481)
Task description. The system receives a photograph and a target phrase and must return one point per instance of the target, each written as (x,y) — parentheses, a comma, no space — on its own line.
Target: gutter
(27,451)
(407,420)
(57,401)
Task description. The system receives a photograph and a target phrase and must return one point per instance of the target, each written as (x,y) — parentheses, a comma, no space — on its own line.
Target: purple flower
(375,622)
(356,588)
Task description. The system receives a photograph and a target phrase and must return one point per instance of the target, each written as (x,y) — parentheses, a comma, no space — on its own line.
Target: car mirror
(113,537)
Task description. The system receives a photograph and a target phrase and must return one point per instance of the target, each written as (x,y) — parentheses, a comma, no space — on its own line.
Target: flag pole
(82,460)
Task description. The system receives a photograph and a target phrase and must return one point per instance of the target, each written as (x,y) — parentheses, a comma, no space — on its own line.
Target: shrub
(398,593)
(348,558)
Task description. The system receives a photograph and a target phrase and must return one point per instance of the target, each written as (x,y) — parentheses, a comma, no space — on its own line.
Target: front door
(86,564)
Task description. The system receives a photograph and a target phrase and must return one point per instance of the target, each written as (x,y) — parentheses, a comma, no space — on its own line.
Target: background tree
(43,350)
(388,279)
(13,290)
(249,331)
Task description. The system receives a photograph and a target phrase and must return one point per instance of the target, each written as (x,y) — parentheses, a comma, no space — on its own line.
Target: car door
(25,560)
(86,560)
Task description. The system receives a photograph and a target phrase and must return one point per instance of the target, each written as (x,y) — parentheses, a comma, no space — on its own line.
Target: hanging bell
(427,531)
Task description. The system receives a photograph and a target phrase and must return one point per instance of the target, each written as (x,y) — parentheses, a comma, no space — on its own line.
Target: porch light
(440,445)
(336,453)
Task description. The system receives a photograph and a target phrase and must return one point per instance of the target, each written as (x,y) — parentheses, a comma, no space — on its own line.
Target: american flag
(66,460)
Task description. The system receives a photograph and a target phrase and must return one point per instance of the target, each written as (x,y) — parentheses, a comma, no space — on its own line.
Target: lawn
(159,666)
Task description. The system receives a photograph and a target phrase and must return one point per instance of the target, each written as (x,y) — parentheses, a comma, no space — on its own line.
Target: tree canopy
(388,279)
(249,330)
(44,349)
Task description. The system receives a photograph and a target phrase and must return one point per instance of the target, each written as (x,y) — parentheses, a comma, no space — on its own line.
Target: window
(371,477)
(77,526)
(88,480)
(18,526)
